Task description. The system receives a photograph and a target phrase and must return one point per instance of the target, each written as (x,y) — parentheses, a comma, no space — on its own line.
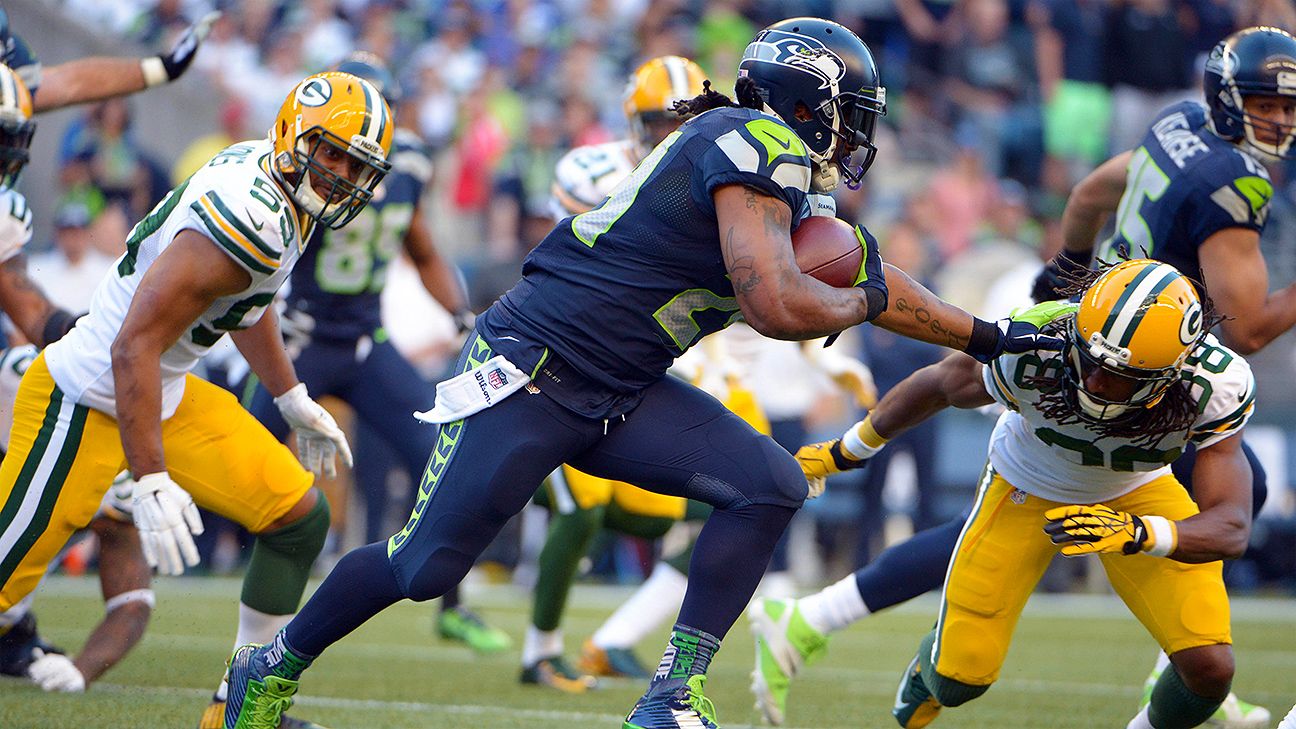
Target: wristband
(876,298)
(984,341)
(154,70)
(1165,537)
(863,440)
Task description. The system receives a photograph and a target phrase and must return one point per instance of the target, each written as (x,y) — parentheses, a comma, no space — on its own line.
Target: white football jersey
(1068,463)
(235,203)
(586,175)
(15,223)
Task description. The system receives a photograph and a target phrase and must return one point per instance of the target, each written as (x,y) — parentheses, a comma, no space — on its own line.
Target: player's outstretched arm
(434,271)
(776,298)
(184,281)
(1238,279)
(1222,490)
(95,79)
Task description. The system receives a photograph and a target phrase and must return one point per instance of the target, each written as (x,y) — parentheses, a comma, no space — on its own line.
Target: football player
(338,344)
(1080,460)
(116,391)
(570,365)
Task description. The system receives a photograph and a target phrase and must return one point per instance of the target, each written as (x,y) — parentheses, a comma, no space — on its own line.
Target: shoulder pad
(245,213)
(763,144)
(1225,387)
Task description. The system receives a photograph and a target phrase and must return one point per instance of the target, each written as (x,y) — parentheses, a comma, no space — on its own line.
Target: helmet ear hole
(803,113)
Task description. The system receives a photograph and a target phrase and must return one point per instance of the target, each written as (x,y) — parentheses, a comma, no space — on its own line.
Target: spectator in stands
(1148,64)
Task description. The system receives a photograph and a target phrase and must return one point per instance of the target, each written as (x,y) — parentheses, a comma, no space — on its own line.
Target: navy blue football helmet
(371,68)
(820,79)
(1258,61)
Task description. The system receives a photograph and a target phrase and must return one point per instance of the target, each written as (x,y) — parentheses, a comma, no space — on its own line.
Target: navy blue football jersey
(614,295)
(341,275)
(1184,185)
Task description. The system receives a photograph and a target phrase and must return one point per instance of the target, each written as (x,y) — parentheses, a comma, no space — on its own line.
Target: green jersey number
(1121,459)
(354,259)
(1146,182)
(676,317)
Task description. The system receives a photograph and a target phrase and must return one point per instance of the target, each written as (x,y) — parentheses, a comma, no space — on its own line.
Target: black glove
(181,55)
(1008,336)
(1050,281)
(871,276)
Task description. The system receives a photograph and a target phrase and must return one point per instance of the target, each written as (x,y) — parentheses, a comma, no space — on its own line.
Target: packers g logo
(314,92)
(1190,326)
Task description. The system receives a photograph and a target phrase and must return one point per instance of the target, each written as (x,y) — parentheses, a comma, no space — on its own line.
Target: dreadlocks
(745,89)
(1174,412)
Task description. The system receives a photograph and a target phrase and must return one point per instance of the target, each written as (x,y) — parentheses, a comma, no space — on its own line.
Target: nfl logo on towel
(496,378)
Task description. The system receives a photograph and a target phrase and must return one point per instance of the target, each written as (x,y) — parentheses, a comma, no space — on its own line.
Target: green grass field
(1077,662)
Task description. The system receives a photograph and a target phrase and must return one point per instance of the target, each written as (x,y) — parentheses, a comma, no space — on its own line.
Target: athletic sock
(450,600)
(834,607)
(1174,705)
(910,568)
(656,600)
(569,538)
(688,653)
(362,585)
(540,644)
(254,626)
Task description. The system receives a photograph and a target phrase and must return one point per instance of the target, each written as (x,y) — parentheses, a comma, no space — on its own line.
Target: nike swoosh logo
(785,144)
(255,224)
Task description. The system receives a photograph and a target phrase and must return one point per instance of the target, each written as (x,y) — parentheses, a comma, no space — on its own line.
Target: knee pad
(303,538)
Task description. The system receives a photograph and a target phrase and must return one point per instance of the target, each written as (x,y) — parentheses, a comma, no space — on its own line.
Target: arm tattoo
(742,270)
(924,317)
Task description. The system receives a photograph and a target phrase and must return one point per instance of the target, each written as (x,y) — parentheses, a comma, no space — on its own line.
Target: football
(827,249)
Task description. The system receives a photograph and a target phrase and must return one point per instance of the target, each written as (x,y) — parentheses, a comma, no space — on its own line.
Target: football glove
(167,519)
(170,66)
(821,460)
(871,276)
(1101,529)
(55,672)
(15,224)
(319,439)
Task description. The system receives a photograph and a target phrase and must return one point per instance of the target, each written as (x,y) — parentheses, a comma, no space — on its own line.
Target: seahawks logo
(1190,327)
(800,52)
(314,92)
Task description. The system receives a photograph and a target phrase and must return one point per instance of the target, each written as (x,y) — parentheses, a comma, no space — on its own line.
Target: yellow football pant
(574,489)
(63,457)
(1003,551)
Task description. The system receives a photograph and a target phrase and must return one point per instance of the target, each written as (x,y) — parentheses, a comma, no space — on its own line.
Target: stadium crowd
(996,109)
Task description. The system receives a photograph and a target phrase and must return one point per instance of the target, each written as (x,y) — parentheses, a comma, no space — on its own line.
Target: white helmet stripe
(1127,316)
(675,69)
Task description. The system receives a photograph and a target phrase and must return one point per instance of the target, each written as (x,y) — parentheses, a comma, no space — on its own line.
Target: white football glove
(55,672)
(319,438)
(167,519)
(15,224)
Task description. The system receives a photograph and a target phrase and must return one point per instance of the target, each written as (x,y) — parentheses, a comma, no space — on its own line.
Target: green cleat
(687,707)
(260,689)
(554,673)
(785,643)
(463,625)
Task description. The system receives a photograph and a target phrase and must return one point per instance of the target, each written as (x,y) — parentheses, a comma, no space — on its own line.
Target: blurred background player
(333,321)
(1096,425)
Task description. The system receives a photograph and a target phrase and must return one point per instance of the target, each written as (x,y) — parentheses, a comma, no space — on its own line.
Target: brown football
(828,249)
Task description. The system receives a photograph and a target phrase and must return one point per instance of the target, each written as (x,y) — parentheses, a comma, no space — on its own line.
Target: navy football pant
(918,565)
(678,441)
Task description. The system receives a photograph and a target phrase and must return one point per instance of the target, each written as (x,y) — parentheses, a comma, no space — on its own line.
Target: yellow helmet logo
(348,114)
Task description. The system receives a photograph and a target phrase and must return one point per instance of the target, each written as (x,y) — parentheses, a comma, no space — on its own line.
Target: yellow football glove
(1101,529)
(821,460)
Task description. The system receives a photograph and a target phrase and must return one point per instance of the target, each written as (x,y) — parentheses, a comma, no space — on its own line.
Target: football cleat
(915,707)
(213,717)
(611,662)
(463,625)
(19,644)
(554,673)
(687,707)
(785,643)
(258,696)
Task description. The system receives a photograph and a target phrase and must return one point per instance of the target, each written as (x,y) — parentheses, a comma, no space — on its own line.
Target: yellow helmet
(1140,320)
(651,95)
(16,125)
(336,115)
